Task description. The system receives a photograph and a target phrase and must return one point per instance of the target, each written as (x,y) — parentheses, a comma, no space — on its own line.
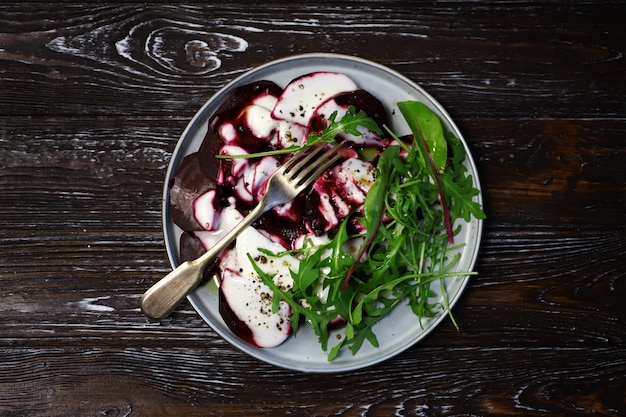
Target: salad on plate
(376,230)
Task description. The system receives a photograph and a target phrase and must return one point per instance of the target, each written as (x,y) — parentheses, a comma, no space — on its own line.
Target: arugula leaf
(281,151)
(459,187)
(428,127)
(349,124)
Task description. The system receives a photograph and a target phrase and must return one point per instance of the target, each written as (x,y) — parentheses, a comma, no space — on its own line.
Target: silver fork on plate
(300,171)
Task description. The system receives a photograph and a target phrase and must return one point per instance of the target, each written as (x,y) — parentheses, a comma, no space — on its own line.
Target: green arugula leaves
(421,190)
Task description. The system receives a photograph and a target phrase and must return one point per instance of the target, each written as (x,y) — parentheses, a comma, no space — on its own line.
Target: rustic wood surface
(93,99)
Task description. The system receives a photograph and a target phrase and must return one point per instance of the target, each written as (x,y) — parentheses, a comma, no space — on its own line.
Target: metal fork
(300,171)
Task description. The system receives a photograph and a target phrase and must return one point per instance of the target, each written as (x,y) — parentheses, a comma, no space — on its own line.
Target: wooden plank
(531,381)
(164,59)
(550,172)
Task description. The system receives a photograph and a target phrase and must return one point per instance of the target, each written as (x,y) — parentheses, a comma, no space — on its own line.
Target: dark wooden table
(93,99)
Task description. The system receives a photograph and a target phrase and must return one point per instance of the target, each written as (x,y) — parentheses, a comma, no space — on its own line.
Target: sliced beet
(241,97)
(189,182)
(235,325)
(365,101)
(190,247)
(303,95)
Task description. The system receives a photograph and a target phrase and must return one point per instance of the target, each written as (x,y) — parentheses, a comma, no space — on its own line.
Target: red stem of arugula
(364,249)
(442,200)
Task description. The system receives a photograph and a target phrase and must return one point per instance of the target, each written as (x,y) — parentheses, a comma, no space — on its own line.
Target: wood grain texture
(93,99)
(522,382)
(156,59)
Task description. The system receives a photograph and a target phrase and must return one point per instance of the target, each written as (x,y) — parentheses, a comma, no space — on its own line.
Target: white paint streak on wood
(93,304)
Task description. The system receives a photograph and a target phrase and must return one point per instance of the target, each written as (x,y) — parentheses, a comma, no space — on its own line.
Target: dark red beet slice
(363,100)
(190,247)
(189,182)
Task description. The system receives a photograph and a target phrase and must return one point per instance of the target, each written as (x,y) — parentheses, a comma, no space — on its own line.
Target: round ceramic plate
(400,329)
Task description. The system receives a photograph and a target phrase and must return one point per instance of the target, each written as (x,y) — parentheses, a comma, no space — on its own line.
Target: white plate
(400,329)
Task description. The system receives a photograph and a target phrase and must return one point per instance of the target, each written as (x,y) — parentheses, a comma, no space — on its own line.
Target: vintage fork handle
(163,297)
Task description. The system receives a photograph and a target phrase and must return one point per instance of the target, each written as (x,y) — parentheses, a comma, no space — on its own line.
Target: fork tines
(303,165)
